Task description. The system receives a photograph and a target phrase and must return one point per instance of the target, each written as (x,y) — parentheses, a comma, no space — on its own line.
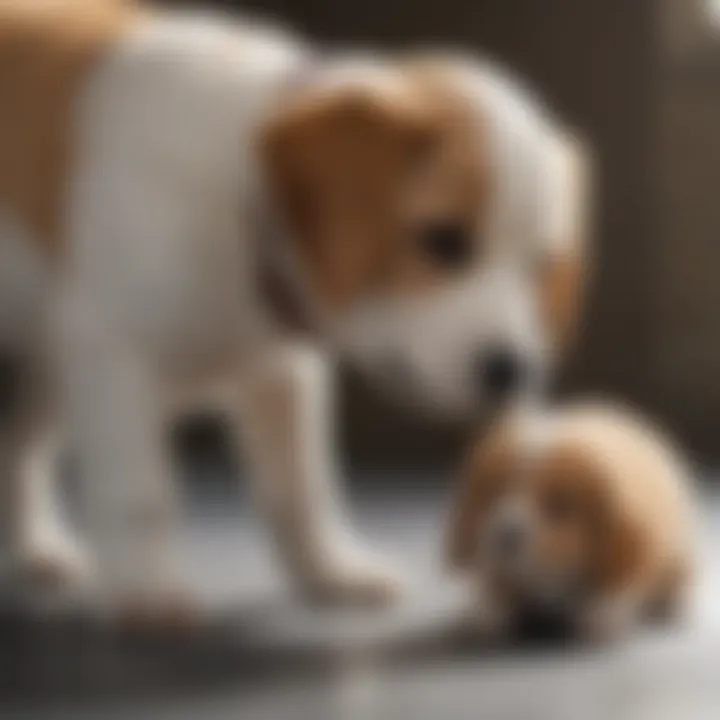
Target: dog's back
(47,48)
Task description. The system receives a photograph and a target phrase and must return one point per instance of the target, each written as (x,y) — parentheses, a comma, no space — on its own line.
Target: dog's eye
(447,243)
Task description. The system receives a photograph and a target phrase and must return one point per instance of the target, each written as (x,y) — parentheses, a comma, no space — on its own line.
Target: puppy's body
(152,167)
(600,504)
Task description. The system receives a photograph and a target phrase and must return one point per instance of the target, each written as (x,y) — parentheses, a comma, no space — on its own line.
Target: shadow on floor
(53,659)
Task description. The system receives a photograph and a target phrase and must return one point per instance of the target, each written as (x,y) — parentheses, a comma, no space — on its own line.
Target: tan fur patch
(561,287)
(642,500)
(47,49)
(359,169)
(604,535)
(483,477)
(564,276)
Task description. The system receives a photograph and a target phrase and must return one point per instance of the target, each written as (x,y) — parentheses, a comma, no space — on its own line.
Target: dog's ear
(565,269)
(621,548)
(617,544)
(486,471)
(336,159)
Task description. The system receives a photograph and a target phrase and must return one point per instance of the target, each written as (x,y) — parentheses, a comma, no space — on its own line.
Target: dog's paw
(167,610)
(167,614)
(352,577)
(51,567)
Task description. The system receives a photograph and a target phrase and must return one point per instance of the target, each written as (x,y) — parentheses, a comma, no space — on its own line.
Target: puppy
(581,511)
(199,213)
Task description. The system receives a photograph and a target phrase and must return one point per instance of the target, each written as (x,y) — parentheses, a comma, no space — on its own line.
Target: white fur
(157,309)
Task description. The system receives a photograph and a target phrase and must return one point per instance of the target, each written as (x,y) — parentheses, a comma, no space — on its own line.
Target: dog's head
(435,210)
(547,504)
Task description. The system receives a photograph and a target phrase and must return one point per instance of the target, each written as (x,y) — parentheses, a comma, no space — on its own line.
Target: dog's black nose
(499,372)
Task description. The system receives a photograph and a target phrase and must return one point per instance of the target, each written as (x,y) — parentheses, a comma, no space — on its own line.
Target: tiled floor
(265,657)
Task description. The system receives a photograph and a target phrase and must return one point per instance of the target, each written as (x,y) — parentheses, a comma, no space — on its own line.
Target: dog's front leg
(286,416)
(112,402)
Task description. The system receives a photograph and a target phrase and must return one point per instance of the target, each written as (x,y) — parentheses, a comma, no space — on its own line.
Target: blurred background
(640,80)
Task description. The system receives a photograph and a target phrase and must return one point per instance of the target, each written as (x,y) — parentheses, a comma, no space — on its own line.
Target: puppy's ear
(335,159)
(565,272)
(621,551)
(485,473)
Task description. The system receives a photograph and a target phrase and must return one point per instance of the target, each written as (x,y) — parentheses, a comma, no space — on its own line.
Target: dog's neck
(281,282)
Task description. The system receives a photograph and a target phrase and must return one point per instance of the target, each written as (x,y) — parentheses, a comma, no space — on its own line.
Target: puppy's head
(433,209)
(542,514)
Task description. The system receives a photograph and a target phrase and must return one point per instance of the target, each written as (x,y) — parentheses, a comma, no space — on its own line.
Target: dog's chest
(162,240)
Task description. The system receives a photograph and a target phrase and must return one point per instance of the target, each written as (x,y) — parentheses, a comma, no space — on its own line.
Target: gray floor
(266,657)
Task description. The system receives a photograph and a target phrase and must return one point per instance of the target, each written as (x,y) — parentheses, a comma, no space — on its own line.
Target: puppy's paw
(351,577)
(491,617)
(606,622)
(492,624)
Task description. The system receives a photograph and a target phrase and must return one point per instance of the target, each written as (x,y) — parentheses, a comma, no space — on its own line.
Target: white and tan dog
(179,195)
